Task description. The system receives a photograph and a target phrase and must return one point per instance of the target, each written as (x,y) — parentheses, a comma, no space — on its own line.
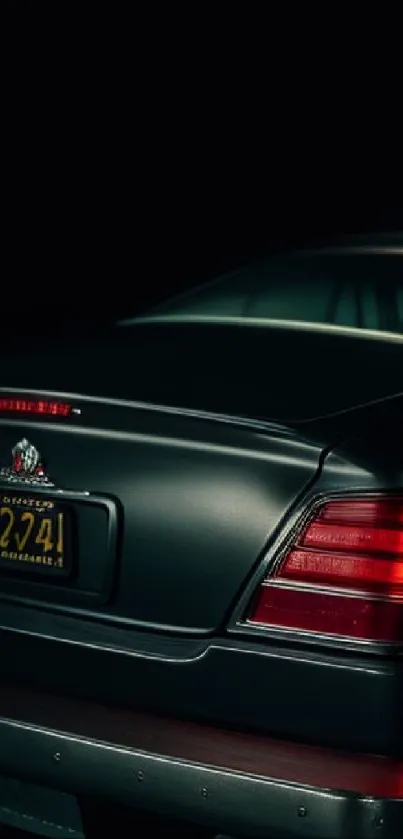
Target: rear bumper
(235,784)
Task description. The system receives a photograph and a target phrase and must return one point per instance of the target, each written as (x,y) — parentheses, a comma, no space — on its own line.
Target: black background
(143,156)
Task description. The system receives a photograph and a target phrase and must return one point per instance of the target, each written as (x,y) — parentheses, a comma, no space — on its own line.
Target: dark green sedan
(201,561)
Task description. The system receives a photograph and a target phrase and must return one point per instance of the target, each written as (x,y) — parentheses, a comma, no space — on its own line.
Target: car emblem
(27,466)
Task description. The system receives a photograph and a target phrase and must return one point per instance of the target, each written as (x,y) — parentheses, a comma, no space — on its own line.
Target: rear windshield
(364,291)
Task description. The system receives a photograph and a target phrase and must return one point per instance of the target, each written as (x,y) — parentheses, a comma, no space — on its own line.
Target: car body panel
(191,505)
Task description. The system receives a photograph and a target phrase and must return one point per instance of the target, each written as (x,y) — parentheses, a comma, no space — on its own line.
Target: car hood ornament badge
(27,466)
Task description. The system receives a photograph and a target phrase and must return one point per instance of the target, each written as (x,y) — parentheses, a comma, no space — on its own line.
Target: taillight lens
(35,406)
(342,576)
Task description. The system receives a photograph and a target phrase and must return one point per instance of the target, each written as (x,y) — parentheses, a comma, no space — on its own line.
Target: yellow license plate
(35,535)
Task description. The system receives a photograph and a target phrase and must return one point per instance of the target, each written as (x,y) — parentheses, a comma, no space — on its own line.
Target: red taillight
(342,576)
(35,406)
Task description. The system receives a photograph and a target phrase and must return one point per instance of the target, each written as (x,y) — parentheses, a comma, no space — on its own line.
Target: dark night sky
(137,164)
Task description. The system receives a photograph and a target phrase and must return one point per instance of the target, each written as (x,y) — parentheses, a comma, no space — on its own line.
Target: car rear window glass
(359,290)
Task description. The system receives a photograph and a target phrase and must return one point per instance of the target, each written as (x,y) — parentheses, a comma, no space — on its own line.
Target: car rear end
(265,698)
(204,622)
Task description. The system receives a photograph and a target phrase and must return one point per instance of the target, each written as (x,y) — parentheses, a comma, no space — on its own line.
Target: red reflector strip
(252,754)
(369,573)
(353,538)
(330,614)
(39,406)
